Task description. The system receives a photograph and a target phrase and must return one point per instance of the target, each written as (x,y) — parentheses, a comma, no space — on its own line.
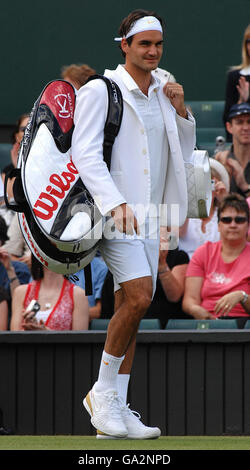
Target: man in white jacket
(147,170)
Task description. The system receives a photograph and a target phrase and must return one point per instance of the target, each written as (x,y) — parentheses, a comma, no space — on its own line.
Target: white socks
(122,386)
(109,379)
(109,368)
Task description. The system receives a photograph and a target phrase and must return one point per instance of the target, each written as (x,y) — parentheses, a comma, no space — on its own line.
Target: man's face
(145,51)
(239,127)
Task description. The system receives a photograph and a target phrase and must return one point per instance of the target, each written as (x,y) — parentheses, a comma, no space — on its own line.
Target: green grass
(91,443)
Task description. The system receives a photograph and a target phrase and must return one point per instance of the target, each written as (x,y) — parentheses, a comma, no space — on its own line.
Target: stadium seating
(145,324)
(209,123)
(5,158)
(99,324)
(150,324)
(192,324)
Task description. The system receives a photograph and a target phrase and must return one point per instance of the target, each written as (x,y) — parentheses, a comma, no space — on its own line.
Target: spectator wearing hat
(237,158)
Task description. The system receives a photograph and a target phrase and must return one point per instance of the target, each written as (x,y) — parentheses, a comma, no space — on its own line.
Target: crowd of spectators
(206,276)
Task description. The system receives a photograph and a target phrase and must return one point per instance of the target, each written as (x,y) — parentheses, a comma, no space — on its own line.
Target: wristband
(13,279)
(164,271)
(245,297)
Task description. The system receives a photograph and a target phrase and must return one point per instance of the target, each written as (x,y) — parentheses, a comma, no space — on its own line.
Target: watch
(245,297)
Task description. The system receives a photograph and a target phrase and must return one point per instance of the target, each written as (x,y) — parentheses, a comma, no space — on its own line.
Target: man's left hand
(175,93)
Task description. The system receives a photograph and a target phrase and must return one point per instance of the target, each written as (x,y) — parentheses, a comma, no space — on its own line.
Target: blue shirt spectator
(98,274)
(22,273)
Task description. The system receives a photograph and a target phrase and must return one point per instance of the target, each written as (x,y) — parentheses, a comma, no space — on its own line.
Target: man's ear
(124,45)
(229,127)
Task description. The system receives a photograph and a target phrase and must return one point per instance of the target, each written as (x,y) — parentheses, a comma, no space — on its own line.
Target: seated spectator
(238,78)
(16,245)
(77,75)
(167,300)
(237,158)
(218,275)
(17,138)
(4,309)
(63,306)
(98,274)
(12,273)
(195,232)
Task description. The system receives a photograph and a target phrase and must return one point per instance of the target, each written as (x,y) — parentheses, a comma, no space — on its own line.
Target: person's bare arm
(172,280)
(80,316)
(192,300)
(243,89)
(17,307)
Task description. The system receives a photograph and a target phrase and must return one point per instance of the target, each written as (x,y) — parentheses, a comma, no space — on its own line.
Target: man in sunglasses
(218,275)
(237,158)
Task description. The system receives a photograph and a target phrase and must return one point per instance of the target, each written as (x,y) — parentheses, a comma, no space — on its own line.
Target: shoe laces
(114,402)
(128,410)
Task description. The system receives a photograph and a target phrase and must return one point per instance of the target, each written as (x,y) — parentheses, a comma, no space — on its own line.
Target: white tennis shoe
(135,428)
(106,412)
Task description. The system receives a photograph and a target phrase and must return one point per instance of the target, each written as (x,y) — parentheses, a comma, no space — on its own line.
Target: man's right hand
(125,220)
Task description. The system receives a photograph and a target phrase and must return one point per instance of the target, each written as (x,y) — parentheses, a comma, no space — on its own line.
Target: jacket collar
(127,84)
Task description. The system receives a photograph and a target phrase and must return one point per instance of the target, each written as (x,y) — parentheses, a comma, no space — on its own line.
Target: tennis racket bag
(58,218)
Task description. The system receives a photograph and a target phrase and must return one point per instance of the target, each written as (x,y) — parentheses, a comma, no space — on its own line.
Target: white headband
(147,23)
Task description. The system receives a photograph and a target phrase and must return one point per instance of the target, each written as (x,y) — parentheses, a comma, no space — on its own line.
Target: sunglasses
(238,219)
(22,128)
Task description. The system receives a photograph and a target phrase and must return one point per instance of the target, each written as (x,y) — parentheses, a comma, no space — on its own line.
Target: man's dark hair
(235,201)
(129,21)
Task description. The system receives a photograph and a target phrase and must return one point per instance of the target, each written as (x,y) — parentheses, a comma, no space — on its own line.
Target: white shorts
(131,258)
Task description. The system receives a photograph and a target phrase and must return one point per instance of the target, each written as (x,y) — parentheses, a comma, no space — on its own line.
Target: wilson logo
(63,102)
(48,201)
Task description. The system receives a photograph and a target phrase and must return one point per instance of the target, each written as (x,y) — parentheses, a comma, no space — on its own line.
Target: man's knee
(138,295)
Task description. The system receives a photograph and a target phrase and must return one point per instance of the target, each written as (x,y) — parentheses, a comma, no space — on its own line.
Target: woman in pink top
(63,306)
(218,275)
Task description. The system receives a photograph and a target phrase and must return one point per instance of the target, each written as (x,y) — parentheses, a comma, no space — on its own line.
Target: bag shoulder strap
(114,115)
(111,129)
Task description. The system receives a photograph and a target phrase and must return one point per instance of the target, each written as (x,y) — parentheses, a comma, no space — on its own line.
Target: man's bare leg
(123,377)
(136,429)
(132,302)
